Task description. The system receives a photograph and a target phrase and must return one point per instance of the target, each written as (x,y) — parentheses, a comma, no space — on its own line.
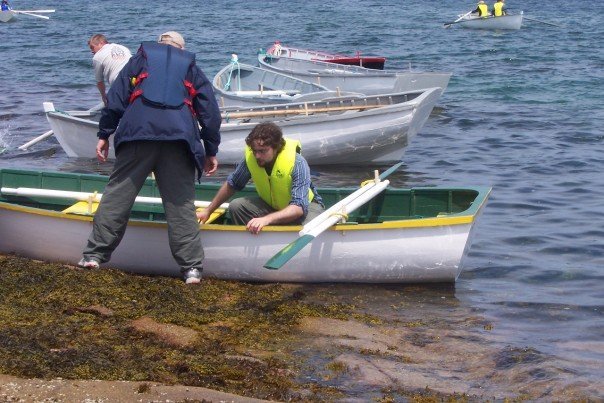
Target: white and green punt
(411,235)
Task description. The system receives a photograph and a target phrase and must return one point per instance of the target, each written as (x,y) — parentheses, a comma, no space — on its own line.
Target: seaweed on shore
(60,321)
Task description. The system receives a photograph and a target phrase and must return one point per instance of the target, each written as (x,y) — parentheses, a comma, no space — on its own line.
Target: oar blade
(289,251)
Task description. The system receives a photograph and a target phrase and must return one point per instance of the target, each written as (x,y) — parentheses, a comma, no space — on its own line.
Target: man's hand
(210,165)
(255,225)
(203,215)
(102,150)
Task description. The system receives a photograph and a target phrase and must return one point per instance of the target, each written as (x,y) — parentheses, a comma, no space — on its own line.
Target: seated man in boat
(5,5)
(482,9)
(108,61)
(286,194)
(499,9)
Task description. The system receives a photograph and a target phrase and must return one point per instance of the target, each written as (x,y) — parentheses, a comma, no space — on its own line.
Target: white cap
(172,38)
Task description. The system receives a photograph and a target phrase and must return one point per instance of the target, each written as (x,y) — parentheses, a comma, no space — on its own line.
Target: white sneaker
(88,263)
(192,276)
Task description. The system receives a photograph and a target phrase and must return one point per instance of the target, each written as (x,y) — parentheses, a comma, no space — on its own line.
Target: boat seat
(82,208)
(219,212)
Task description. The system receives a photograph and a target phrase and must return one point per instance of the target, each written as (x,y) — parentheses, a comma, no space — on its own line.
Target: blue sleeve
(300,184)
(208,112)
(240,176)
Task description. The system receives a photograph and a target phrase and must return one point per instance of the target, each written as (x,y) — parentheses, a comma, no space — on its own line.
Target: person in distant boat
(482,9)
(276,50)
(108,61)
(5,6)
(285,192)
(155,108)
(499,9)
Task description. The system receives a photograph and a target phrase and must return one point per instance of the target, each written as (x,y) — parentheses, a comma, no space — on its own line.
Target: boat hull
(506,22)
(355,137)
(410,250)
(338,77)
(369,62)
(6,16)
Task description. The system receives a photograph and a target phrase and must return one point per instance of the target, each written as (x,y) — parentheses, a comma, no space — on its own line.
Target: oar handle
(338,206)
(349,208)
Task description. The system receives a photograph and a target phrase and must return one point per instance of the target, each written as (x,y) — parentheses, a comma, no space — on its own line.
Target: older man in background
(108,61)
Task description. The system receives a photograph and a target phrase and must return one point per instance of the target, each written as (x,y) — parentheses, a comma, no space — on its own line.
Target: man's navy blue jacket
(142,120)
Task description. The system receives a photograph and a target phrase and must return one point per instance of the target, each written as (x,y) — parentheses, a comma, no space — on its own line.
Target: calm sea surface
(524,113)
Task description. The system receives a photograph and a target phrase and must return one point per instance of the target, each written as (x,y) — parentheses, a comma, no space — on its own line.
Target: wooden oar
(330,217)
(543,22)
(297,111)
(337,207)
(48,107)
(33,15)
(34,11)
(36,140)
(448,24)
(84,196)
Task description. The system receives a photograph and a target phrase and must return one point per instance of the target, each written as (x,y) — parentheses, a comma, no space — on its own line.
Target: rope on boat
(234,64)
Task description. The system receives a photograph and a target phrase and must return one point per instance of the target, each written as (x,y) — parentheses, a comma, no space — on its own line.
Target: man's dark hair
(268,134)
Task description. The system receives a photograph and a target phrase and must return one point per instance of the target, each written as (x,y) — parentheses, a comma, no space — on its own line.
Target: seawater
(523,113)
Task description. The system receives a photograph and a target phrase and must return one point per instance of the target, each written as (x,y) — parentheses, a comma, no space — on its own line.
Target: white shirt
(108,62)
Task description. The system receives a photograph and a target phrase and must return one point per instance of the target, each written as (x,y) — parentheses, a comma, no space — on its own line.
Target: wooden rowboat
(370,62)
(507,22)
(401,236)
(348,131)
(353,78)
(239,84)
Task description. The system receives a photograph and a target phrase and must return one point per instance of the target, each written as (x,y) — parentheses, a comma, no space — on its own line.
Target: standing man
(286,194)
(154,107)
(499,8)
(108,61)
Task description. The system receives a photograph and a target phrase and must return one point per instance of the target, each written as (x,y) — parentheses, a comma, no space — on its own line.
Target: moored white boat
(353,131)
(402,236)
(370,62)
(353,78)
(239,84)
(505,22)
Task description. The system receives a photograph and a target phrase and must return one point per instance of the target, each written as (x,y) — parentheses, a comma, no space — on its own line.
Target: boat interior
(390,205)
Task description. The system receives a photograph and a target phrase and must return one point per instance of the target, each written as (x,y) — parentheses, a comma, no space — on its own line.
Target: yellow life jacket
(483,10)
(498,9)
(275,189)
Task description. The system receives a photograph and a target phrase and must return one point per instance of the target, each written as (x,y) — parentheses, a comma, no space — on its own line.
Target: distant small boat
(415,235)
(7,15)
(370,62)
(508,22)
(353,78)
(241,85)
(347,130)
